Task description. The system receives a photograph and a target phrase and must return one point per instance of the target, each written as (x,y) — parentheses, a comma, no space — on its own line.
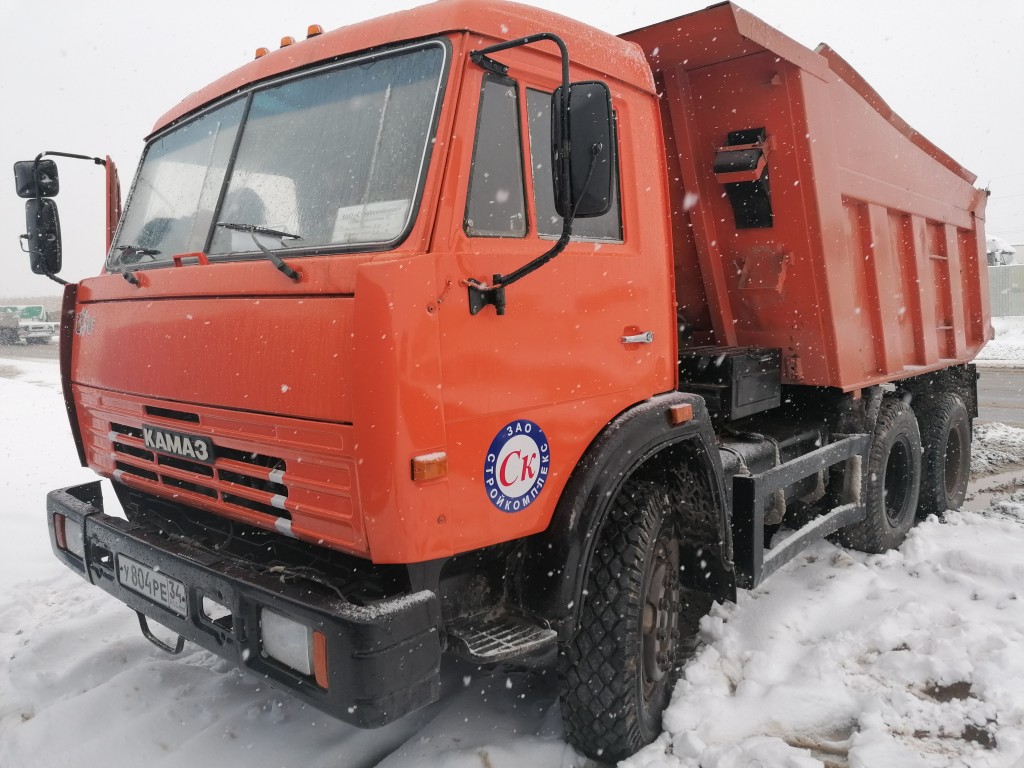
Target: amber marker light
(261,52)
(287,40)
(680,414)
(430,466)
(313,30)
(320,659)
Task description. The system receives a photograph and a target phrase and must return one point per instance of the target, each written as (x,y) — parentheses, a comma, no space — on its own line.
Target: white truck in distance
(30,324)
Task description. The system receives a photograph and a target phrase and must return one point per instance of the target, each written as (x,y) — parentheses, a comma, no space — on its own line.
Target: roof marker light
(261,52)
(313,30)
(287,40)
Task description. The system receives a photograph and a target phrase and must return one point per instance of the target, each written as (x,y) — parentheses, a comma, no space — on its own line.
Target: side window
(496,205)
(549,223)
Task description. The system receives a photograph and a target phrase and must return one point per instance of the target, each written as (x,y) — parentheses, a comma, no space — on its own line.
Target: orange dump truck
(473,329)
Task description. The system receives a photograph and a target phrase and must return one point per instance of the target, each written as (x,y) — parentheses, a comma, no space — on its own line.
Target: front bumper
(383,661)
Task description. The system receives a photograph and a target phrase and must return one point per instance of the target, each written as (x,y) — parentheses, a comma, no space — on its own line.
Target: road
(1000,390)
(1001,395)
(29,351)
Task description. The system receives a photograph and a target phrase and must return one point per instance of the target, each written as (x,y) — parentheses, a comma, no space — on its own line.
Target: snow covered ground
(914,658)
(1007,348)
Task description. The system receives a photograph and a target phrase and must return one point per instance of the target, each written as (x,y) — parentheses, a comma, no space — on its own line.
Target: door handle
(639,338)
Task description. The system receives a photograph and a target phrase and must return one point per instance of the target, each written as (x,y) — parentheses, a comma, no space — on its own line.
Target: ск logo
(516,466)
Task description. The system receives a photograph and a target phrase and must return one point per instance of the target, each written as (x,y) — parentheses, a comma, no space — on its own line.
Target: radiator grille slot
(167,413)
(185,485)
(128,469)
(251,482)
(255,506)
(131,450)
(189,466)
(124,429)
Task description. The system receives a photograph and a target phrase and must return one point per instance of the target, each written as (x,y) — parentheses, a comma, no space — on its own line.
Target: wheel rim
(897,485)
(660,620)
(953,463)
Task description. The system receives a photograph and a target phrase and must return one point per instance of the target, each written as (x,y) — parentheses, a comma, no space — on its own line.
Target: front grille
(266,467)
(238,479)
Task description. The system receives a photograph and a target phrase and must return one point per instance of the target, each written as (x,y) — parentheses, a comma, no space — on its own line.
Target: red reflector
(59,532)
(320,659)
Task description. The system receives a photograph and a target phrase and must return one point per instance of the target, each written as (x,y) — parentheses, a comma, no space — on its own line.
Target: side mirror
(43,236)
(29,184)
(590,135)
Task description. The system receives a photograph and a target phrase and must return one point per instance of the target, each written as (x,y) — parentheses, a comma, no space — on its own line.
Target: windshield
(335,157)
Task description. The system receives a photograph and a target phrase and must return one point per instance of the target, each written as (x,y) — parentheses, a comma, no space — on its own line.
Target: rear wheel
(636,622)
(946,463)
(893,481)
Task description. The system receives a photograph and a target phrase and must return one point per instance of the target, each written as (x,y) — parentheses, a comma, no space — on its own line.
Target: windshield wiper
(255,229)
(133,251)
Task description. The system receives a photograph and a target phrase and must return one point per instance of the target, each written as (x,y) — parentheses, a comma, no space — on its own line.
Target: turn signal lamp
(287,40)
(70,536)
(430,466)
(320,659)
(680,414)
(313,30)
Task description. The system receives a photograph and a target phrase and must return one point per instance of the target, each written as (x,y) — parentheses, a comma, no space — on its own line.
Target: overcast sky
(92,78)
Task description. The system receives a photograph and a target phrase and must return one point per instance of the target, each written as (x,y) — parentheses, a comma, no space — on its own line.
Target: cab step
(489,637)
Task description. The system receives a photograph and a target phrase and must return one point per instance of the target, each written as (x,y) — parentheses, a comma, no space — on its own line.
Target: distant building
(1001,252)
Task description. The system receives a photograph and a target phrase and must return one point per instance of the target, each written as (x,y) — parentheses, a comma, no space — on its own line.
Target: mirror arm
(49,153)
(97,160)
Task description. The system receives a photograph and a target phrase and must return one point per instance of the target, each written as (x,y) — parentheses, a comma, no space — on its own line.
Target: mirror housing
(25,180)
(590,136)
(43,225)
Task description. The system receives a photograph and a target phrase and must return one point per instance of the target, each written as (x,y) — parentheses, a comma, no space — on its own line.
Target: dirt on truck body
(530,351)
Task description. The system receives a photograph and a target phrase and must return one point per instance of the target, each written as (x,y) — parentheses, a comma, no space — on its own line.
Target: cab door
(525,392)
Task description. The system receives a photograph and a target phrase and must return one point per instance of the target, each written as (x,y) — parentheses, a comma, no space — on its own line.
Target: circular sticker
(517,465)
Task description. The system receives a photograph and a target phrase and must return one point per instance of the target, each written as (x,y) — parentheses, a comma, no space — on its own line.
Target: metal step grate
(488,638)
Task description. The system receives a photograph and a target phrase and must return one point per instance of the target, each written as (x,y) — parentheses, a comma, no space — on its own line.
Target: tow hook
(144,625)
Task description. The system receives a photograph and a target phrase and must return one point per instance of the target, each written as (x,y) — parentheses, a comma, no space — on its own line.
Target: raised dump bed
(810,217)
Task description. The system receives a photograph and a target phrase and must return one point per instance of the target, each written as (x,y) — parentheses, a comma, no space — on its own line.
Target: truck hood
(281,355)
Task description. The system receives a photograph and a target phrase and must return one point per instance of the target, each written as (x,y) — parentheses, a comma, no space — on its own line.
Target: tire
(893,481)
(636,623)
(946,463)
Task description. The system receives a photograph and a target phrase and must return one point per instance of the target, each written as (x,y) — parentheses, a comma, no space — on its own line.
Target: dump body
(872,266)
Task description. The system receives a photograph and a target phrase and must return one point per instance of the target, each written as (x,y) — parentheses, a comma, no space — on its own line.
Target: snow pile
(1007,348)
(913,658)
(996,447)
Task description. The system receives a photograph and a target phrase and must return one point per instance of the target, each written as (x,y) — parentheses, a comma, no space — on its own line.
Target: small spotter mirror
(25,178)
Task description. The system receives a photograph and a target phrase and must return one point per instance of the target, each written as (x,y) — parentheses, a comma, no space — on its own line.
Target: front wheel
(618,671)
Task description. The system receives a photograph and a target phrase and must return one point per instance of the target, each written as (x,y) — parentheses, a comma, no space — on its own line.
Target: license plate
(151,584)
